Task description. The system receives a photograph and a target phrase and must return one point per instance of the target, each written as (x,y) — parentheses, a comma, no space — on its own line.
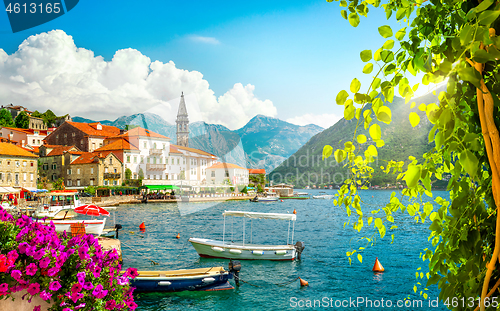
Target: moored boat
(224,249)
(201,279)
(92,226)
(57,204)
(266,197)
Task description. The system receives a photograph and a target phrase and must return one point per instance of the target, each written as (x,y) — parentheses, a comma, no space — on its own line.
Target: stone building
(18,167)
(55,160)
(86,136)
(102,168)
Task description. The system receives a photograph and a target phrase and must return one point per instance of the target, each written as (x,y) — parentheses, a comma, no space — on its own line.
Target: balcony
(156,152)
(112,175)
(156,167)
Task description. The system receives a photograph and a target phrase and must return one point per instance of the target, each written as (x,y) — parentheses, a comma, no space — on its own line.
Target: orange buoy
(294,211)
(377,267)
(142,226)
(178,236)
(303,282)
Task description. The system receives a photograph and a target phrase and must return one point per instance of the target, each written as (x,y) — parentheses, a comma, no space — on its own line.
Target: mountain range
(306,166)
(264,142)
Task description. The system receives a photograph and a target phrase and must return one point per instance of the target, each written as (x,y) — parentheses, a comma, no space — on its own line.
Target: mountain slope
(264,142)
(306,167)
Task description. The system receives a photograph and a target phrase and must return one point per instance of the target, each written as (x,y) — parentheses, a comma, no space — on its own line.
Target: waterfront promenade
(135,199)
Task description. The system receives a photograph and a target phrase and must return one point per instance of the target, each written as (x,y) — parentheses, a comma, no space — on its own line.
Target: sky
(231,59)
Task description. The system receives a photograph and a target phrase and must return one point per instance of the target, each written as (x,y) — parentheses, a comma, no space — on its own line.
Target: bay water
(333,282)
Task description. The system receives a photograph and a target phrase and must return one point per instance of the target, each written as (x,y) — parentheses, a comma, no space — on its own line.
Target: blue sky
(295,55)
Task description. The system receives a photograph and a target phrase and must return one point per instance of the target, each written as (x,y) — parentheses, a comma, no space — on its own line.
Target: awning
(160,187)
(35,190)
(260,215)
(9,190)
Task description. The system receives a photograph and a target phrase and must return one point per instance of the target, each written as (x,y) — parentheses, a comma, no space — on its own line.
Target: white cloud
(209,40)
(324,120)
(49,71)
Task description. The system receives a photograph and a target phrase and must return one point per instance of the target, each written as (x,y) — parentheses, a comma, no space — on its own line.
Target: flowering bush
(71,273)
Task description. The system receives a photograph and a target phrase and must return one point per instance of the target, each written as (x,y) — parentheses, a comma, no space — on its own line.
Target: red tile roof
(119,144)
(225,165)
(173,149)
(139,131)
(59,150)
(90,157)
(91,129)
(256,171)
(193,150)
(13,150)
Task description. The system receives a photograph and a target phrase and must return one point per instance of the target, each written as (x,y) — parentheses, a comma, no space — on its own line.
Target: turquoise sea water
(332,281)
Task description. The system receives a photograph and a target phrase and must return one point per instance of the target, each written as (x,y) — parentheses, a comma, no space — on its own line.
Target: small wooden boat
(55,204)
(266,197)
(224,249)
(93,226)
(202,279)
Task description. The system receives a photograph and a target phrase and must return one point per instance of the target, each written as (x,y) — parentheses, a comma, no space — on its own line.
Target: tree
(6,118)
(58,184)
(454,40)
(49,117)
(22,120)
(128,174)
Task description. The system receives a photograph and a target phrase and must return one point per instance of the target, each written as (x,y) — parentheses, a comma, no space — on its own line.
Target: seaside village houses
(93,154)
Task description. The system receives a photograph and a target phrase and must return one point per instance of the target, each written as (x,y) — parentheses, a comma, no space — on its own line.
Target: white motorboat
(324,196)
(224,249)
(92,226)
(266,197)
(56,204)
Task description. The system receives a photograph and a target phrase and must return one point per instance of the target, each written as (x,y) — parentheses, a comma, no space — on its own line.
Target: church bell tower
(182,124)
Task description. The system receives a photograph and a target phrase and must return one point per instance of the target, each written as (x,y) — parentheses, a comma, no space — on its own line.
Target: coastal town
(77,156)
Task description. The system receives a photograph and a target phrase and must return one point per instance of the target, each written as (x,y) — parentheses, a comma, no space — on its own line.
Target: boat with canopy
(231,250)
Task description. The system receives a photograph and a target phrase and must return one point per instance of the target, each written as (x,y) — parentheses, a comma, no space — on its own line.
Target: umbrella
(92,210)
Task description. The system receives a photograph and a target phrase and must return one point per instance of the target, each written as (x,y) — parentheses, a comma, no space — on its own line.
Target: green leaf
(384,114)
(327,151)
(469,162)
(372,150)
(375,132)
(349,112)
(481,56)
(412,175)
(344,14)
(368,68)
(360,258)
(387,56)
(401,12)
(361,139)
(355,85)
(354,19)
(466,34)
(339,155)
(488,17)
(401,34)
(366,55)
(389,44)
(470,74)
(385,31)
(341,97)
(483,5)
(414,119)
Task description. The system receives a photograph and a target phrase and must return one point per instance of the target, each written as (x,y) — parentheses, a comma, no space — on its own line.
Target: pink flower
(31,269)
(81,277)
(76,288)
(132,272)
(110,305)
(132,305)
(22,247)
(54,286)
(88,285)
(37,308)
(16,274)
(44,263)
(4,287)
(34,289)
(45,295)
(53,271)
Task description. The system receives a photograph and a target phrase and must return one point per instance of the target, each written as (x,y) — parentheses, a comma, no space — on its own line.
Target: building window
(17,163)
(57,136)
(65,135)
(213,174)
(54,177)
(73,134)
(128,159)
(31,176)
(93,146)
(24,176)
(68,182)
(135,159)
(145,145)
(142,159)
(110,160)
(106,182)
(78,171)
(91,182)
(105,170)
(178,161)
(164,145)
(91,170)
(32,163)
(69,171)
(81,141)
(25,163)
(154,146)
(147,160)
(148,177)
(100,144)
(54,166)
(33,141)
(227,174)
(78,182)
(116,171)
(115,182)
